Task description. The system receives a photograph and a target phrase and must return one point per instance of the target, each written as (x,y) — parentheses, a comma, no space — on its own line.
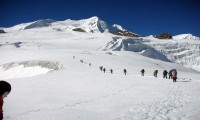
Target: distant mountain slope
(40,23)
(90,25)
(186,36)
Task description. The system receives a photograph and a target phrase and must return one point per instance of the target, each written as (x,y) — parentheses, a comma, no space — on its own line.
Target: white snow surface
(55,86)
(186,36)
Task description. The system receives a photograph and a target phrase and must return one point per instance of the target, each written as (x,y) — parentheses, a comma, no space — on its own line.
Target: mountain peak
(94,18)
(95,24)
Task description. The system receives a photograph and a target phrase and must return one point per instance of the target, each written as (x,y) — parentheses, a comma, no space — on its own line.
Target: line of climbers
(111,70)
(82,61)
(172,73)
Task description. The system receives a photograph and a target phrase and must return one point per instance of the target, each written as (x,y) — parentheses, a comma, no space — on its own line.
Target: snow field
(82,92)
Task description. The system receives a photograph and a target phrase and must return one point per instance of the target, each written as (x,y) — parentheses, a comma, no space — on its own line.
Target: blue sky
(145,17)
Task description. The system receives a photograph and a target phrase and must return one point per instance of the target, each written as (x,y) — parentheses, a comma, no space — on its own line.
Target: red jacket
(1,108)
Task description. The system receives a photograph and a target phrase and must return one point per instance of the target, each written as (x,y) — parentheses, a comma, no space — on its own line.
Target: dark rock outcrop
(78,30)
(164,36)
(127,33)
(2,31)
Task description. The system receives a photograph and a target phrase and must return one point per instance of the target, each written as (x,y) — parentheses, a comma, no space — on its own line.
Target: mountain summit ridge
(91,25)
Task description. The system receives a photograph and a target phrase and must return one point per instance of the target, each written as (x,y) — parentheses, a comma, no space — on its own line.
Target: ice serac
(135,45)
(186,36)
(28,68)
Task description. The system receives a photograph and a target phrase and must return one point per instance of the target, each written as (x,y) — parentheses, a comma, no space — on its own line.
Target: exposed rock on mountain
(164,36)
(127,33)
(78,30)
(2,31)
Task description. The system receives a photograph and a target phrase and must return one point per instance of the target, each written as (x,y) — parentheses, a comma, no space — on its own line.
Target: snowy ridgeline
(93,25)
(90,25)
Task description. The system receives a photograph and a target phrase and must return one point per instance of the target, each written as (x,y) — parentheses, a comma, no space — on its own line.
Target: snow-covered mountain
(165,50)
(169,50)
(186,36)
(54,72)
(93,25)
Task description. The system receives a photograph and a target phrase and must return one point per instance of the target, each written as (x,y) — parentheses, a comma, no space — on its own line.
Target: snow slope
(186,36)
(65,88)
